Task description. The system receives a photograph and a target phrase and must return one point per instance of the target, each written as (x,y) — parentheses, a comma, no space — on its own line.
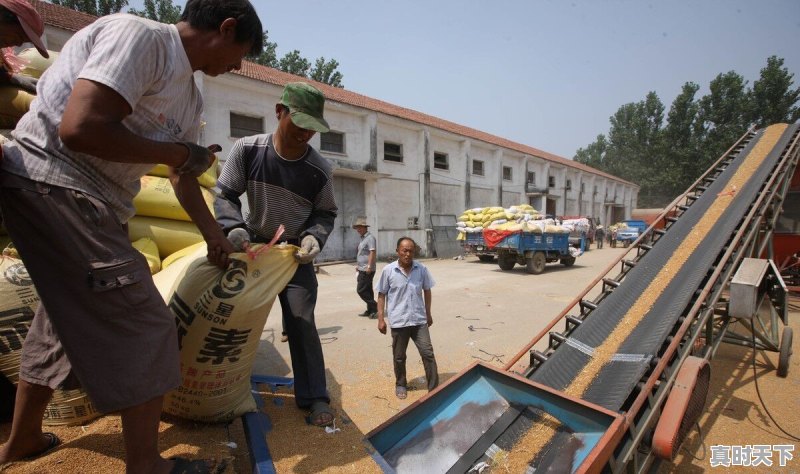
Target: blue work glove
(309,248)
(240,239)
(26,83)
(199,159)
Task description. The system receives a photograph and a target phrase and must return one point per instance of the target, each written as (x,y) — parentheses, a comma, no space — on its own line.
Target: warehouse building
(409,173)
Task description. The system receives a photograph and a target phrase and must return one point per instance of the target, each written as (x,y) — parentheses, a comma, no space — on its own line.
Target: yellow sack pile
(14,103)
(220,316)
(148,248)
(496,218)
(160,216)
(18,302)
(157,198)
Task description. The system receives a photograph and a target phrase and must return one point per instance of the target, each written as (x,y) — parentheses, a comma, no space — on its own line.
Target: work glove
(200,158)
(240,239)
(28,84)
(309,248)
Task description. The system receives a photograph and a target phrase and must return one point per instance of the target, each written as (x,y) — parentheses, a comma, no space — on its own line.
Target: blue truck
(474,244)
(631,231)
(533,251)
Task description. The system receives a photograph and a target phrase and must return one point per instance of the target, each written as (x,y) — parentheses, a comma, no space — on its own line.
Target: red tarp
(494,237)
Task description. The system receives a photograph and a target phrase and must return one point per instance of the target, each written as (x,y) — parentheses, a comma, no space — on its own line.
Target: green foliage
(94,7)
(159,10)
(294,63)
(326,72)
(664,160)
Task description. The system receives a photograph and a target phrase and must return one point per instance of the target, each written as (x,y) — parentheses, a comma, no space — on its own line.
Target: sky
(547,74)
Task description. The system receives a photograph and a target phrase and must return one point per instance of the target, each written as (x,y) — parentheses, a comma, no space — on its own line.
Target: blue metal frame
(257,424)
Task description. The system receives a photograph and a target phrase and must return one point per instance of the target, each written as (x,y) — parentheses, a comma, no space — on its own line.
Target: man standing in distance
(365,266)
(102,119)
(288,182)
(404,297)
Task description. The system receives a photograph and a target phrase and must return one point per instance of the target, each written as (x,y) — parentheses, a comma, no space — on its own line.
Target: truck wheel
(486,258)
(506,261)
(568,261)
(785,352)
(536,263)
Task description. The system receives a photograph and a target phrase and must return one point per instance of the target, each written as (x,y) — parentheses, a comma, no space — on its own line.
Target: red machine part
(683,407)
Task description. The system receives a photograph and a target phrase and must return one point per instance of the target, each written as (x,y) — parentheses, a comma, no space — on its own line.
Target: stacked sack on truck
(578,225)
(519,218)
(18,303)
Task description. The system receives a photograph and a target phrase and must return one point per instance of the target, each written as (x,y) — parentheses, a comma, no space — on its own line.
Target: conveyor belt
(615,380)
(607,355)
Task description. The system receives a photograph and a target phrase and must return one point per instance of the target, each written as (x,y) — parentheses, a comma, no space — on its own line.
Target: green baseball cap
(305,104)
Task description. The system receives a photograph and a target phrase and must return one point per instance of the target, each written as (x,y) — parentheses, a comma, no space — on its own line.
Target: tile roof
(72,20)
(62,17)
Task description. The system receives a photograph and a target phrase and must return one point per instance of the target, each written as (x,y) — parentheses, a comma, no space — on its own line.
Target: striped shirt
(295,193)
(144,62)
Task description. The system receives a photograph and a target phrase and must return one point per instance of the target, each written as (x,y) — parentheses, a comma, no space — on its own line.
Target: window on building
(508,173)
(440,161)
(583,187)
(477,167)
(332,142)
(393,152)
(595,191)
(569,184)
(243,125)
(531,177)
(551,181)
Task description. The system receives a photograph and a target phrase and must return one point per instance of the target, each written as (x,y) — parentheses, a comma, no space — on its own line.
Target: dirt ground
(480,313)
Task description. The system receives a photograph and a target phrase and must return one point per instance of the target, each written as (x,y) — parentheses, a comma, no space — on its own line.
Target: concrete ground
(480,313)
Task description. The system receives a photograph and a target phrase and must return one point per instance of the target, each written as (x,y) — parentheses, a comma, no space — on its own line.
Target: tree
(267,57)
(295,64)
(326,72)
(594,154)
(773,99)
(159,10)
(683,160)
(725,113)
(94,7)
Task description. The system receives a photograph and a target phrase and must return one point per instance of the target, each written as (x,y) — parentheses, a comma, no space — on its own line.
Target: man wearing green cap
(288,182)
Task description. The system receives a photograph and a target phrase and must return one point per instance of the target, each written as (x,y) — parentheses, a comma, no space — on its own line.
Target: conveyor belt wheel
(683,407)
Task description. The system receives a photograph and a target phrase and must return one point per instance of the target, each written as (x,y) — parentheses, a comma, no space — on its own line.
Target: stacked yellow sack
(18,303)
(159,215)
(496,218)
(14,102)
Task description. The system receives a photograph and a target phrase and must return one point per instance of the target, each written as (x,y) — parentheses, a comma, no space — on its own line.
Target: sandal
(52,442)
(400,392)
(321,414)
(189,466)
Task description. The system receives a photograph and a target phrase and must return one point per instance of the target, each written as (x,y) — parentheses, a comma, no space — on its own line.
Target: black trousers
(298,301)
(422,339)
(365,291)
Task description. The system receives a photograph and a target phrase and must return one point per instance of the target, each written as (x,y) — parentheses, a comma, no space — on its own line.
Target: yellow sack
(206,180)
(37,64)
(157,199)
(149,249)
(169,235)
(181,253)
(220,316)
(18,302)
(14,103)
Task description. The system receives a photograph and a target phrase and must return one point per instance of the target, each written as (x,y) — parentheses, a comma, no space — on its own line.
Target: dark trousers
(365,291)
(298,301)
(422,339)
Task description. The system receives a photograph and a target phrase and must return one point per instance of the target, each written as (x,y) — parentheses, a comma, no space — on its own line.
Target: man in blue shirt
(404,296)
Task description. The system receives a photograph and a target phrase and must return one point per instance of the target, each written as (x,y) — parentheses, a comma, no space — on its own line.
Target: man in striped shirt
(120,98)
(288,182)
